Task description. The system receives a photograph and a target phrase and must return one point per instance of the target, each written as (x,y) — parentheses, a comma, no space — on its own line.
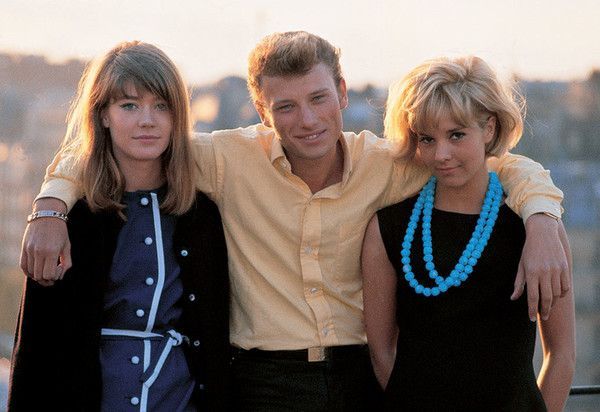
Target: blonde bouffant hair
(467,89)
(89,142)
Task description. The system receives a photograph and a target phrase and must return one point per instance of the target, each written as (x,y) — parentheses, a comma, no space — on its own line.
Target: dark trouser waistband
(315,354)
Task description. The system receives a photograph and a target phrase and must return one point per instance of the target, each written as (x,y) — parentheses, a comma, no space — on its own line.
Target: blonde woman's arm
(379,294)
(558,342)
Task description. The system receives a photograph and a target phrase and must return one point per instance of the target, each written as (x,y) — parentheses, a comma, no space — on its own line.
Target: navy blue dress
(471,348)
(141,357)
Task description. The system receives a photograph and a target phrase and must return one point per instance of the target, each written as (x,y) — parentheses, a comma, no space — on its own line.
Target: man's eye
(128,106)
(284,108)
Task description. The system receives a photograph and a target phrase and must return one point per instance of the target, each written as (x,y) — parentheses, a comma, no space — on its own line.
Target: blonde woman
(149,273)
(438,268)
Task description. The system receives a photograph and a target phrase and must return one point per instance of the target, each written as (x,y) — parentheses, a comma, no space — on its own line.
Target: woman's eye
(425,139)
(457,135)
(162,106)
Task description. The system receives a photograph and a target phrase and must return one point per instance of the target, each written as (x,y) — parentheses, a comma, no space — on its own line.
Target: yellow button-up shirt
(294,255)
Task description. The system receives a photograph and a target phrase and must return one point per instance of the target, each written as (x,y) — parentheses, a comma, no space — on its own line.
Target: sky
(380,39)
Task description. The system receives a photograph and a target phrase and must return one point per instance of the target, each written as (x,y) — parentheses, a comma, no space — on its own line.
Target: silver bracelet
(47,213)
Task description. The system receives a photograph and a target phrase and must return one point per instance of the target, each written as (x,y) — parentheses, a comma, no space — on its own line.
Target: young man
(295,194)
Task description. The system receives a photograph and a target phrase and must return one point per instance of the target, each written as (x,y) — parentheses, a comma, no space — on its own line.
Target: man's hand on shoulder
(543,266)
(46,250)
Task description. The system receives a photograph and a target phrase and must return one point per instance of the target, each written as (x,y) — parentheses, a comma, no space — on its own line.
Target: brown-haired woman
(141,319)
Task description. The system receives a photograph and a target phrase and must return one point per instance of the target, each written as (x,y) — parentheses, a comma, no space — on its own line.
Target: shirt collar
(278,156)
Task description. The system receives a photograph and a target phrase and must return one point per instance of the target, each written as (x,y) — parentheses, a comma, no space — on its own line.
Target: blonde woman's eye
(162,106)
(425,139)
(457,135)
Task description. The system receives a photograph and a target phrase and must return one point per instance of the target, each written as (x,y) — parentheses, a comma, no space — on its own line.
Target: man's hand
(46,250)
(543,266)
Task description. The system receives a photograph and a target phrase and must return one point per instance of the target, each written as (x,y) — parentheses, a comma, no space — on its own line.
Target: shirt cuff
(60,189)
(539,205)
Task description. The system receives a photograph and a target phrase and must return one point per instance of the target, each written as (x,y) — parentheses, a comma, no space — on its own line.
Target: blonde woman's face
(455,154)
(140,125)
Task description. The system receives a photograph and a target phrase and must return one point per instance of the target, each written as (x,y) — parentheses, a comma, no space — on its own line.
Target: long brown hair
(89,142)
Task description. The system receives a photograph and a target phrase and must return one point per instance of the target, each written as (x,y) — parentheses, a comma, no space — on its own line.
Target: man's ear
(342,94)
(263,114)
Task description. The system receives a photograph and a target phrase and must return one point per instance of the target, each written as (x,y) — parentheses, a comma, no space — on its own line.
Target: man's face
(305,111)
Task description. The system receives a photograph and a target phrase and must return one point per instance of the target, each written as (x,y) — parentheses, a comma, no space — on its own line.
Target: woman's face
(456,154)
(140,126)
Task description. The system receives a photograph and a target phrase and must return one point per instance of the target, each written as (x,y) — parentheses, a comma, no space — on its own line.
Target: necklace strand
(473,250)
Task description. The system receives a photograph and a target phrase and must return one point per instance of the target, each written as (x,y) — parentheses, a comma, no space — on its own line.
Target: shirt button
(139,313)
(192,297)
(135,401)
(325,331)
(149,281)
(148,241)
(308,250)
(135,360)
(314,290)
(196,343)
(183,252)
(201,386)
(144,201)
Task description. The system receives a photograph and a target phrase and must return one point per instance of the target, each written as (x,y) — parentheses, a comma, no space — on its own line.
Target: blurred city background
(550,47)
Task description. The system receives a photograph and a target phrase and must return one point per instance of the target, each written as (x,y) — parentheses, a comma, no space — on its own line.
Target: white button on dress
(139,313)
(144,201)
(148,241)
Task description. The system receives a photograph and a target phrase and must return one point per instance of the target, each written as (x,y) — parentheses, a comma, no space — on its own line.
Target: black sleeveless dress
(471,348)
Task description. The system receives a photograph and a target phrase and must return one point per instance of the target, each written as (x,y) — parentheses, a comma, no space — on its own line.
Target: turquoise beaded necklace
(473,250)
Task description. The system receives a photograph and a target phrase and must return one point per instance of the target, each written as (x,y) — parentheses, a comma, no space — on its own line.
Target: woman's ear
(489,130)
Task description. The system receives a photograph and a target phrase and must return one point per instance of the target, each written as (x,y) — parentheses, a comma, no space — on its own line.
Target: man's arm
(46,250)
(543,264)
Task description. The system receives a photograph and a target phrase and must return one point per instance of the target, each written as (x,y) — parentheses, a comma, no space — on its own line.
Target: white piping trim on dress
(160,257)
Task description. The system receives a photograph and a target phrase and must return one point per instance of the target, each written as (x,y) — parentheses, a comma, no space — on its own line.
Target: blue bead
(439,280)
(463,260)
(419,289)
(433,274)
(472,261)
(413,283)
(468,269)
(406,268)
(463,276)
(405,260)
(405,252)
(409,276)
(459,267)
(435,291)
(429,266)
(426,291)
(443,287)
